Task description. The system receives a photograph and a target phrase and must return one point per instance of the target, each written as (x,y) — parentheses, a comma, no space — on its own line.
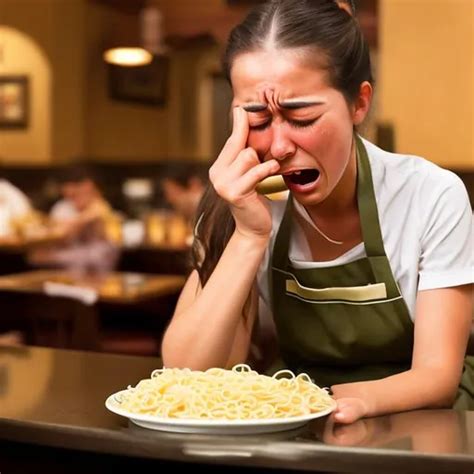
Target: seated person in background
(80,217)
(183,195)
(14,205)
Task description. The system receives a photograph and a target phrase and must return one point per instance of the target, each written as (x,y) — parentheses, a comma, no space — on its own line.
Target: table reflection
(427,431)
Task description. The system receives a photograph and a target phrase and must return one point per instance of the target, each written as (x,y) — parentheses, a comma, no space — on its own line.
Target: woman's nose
(282,146)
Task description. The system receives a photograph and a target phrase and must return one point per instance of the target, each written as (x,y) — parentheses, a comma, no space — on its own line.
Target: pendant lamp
(151,41)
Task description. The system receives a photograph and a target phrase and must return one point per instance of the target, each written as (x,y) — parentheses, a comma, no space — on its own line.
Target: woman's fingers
(245,161)
(248,182)
(238,138)
(234,144)
(243,175)
(234,176)
(231,173)
(349,410)
(237,170)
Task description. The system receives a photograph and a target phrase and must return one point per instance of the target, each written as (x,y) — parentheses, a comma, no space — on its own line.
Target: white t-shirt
(63,210)
(426,222)
(13,205)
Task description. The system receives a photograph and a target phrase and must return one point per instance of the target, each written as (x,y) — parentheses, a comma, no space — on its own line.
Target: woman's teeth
(303,177)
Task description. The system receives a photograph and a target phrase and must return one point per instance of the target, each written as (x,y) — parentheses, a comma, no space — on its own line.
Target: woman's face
(296,117)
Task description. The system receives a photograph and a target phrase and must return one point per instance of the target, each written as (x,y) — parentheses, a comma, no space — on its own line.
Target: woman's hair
(320,30)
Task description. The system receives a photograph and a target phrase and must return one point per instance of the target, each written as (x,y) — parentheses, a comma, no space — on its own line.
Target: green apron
(349,322)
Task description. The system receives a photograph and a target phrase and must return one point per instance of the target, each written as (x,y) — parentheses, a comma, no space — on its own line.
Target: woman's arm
(443,322)
(208,328)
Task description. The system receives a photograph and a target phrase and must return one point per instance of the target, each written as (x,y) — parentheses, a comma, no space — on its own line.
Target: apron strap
(370,223)
(278,257)
(369,218)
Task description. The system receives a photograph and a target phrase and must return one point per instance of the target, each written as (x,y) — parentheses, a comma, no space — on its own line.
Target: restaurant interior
(103,162)
(147,134)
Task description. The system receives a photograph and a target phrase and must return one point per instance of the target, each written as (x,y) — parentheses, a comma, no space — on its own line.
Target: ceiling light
(128,56)
(150,42)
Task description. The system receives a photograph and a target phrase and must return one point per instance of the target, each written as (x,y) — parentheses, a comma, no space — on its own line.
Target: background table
(128,316)
(115,287)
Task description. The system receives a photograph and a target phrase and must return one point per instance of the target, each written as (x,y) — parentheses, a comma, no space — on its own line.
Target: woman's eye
(302,123)
(261,126)
(293,123)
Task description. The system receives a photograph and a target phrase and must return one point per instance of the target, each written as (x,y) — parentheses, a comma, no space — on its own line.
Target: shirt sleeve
(62,211)
(447,238)
(17,202)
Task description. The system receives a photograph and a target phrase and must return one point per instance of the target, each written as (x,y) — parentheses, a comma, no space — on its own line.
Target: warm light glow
(128,56)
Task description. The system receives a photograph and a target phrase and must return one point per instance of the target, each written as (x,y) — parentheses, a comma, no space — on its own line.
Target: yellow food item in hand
(271,185)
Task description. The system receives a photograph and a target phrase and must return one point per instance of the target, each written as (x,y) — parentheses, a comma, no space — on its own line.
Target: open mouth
(302,177)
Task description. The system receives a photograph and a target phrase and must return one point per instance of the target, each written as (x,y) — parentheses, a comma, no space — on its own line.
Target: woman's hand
(349,410)
(235,175)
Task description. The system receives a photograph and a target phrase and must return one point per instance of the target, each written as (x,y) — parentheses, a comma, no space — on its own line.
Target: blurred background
(104,154)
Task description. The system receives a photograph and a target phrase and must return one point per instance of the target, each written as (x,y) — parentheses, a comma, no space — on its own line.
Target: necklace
(320,232)
(305,215)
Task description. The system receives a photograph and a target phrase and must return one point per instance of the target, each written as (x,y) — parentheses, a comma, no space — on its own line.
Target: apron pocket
(371,292)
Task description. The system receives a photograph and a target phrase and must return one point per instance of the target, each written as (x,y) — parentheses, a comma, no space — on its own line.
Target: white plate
(180,425)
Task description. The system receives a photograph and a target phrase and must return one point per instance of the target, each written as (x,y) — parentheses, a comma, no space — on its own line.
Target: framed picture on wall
(14,101)
(146,85)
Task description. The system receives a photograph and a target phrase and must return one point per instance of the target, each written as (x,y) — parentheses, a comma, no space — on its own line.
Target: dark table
(53,419)
(114,287)
(68,302)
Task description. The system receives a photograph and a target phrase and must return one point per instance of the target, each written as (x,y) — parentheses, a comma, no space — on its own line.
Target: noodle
(237,394)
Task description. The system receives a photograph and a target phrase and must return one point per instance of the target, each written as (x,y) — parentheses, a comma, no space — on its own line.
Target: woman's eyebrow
(288,105)
(255,107)
(299,104)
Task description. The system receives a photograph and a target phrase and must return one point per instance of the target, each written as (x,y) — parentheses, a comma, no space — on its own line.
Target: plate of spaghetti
(221,401)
